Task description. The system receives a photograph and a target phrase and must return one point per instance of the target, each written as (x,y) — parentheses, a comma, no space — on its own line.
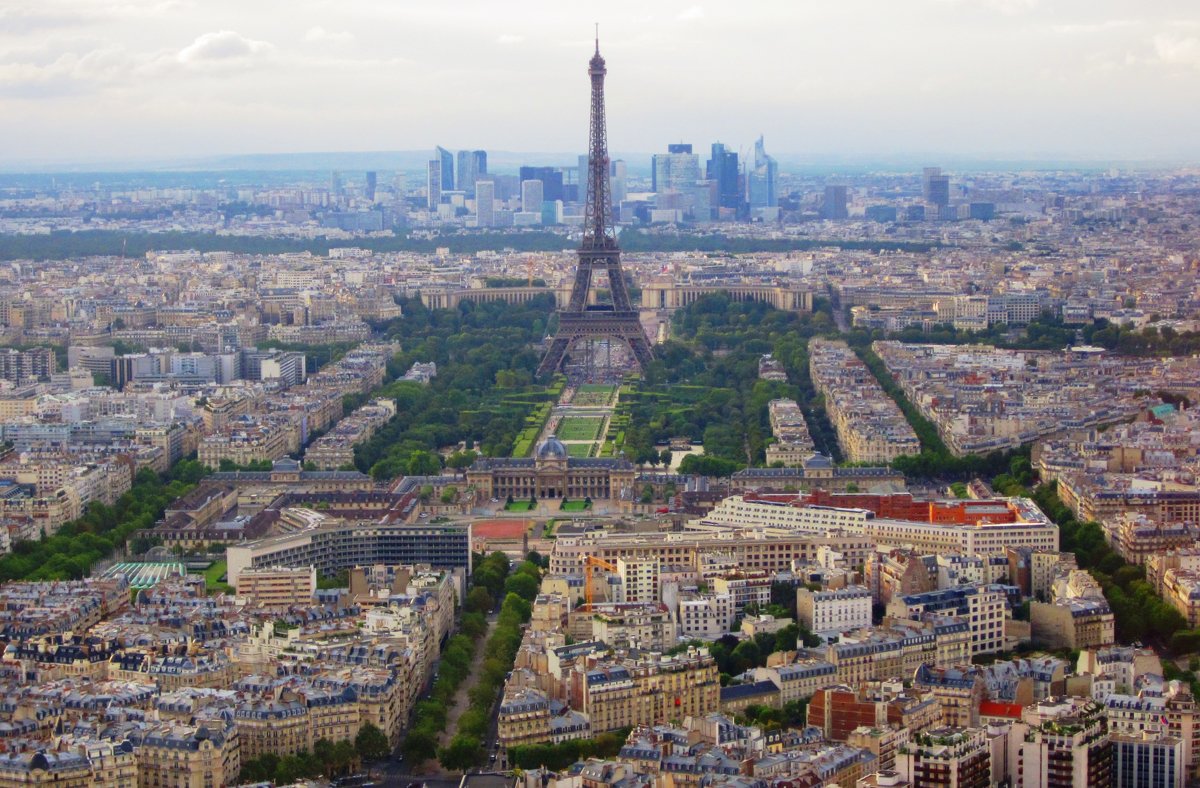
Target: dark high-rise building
(723,169)
(834,205)
(936,187)
(433,183)
(464,173)
(551,178)
(679,147)
(372,182)
(447,161)
(880,213)
(985,211)
(472,167)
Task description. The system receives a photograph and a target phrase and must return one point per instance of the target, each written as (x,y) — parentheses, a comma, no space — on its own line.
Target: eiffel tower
(597,252)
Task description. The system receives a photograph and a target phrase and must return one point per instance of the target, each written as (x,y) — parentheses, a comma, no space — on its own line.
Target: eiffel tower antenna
(598,251)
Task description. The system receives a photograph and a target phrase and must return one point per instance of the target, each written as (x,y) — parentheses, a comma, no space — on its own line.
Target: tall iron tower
(597,252)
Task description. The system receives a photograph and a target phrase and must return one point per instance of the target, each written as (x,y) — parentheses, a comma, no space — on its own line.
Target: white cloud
(67,74)
(1093,27)
(222,46)
(148,66)
(319,34)
(1177,51)
(1007,7)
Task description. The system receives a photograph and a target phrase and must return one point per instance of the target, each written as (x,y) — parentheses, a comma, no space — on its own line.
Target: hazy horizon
(102,81)
(508,162)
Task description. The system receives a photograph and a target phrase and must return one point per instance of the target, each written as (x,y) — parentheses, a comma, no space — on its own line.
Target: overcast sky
(88,80)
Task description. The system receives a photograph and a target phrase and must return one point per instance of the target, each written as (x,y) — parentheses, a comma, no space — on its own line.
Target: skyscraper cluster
(722,191)
(442,177)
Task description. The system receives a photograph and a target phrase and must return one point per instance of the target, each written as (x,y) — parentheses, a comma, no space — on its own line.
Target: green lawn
(577,428)
(593,394)
(213,575)
(579,449)
(573,506)
(518,506)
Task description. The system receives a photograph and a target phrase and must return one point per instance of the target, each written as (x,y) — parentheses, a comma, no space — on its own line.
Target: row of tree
(431,714)
(1046,333)
(558,757)
(1148,341)
(327,759)
(935,459)
(1140,614)
(466,748)
(665,241)
(66,244)
(70,553)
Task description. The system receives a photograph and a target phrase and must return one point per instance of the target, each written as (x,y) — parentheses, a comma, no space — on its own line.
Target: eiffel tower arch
(598,252)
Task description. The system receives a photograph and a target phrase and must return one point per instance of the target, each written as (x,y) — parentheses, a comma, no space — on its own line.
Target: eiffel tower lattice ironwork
(597,252)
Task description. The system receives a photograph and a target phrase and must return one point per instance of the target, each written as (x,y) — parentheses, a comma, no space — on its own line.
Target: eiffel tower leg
(554,356)
(641,348)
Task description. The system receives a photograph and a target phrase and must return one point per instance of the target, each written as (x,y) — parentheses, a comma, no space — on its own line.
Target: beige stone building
(551,474)
(277,587)
(649,690)
(174,755)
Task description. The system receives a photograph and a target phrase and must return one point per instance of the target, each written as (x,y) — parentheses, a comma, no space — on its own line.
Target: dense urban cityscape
(701,469)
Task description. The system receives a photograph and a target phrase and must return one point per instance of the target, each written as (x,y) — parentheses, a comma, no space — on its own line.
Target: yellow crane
(590,565)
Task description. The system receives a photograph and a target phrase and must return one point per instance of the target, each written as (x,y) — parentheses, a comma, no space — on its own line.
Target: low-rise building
(828,613)
(947,758)
(985,607)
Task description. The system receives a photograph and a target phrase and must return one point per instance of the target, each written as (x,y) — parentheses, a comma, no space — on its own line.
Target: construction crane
(590,566)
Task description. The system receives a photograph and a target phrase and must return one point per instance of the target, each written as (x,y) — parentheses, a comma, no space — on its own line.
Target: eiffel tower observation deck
(599,252)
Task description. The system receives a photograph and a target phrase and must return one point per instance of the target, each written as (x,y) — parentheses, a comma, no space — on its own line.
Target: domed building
(551,473)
